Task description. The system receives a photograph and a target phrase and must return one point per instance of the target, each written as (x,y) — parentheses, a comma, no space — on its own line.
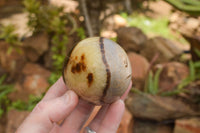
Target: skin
(62,111)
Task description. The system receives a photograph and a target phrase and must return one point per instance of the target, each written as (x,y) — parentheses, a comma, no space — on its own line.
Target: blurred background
(161,38)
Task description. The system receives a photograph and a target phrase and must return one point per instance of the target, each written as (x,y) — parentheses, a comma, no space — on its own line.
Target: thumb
(46,113)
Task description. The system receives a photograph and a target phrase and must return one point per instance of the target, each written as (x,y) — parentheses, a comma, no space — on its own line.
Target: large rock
(139,64)
(158,108)
(140,67)
(36,78)
(2,71)
(3,122)
(172,74)
(35,84)
(194,45)
(19,21)
(32,69)
(185,24)
(12,62)
(114,22)
(193,93)
(20,93)
(161,47)
(68,5)
(35,46)
(2,128)
(131,38)
(158,9)
(14,119)
(2,2)
(145,126)
(10,2)
(190,125)
(34,81)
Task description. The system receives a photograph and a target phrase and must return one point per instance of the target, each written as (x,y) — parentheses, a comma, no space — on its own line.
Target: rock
(191,125)
(35,46)
(35,84)
(131,38)
(35,69)
(11,62)
(114,22)
(14,119)
(119,21)
(192,23)
(3,122)
(2,2)
(125,123)
(174,17)
(9,9)
(2,128)
(34,80)
(2,71)
(10,2)
(194,42)
(158,108)
(174,26)
(20,93)
(198,31)
(145,126)
(157,9)
(48,61)
(172,74)
(19,21)
(185,24)
(164,48)
(140,67)
(69,5)
(108,34)
(193,94)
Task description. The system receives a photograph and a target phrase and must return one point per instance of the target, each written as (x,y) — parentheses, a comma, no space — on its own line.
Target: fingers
(113,117)
(46,113)
(108,118)
(99,119)
(56,90)
(77,118)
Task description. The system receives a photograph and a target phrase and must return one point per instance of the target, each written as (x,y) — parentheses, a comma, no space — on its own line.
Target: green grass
(5,89)
(8,35)
(28,106)
(194,72)
(6,104)
(150,26)
(152,82)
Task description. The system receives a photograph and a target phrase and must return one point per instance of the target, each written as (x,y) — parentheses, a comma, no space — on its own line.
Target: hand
(62,105)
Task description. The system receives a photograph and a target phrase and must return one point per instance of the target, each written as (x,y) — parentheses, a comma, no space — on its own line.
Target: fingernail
(121,101)
(70,96)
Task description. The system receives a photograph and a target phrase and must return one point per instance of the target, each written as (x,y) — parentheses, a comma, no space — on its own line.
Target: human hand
(61,104)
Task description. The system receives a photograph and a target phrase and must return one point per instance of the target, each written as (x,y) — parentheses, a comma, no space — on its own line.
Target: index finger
(56,90)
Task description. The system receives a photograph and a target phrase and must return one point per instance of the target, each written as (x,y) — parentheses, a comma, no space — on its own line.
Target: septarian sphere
(98,70)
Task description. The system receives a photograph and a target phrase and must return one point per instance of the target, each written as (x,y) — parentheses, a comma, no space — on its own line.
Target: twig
(87,18)
(74,24)
(128,6)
